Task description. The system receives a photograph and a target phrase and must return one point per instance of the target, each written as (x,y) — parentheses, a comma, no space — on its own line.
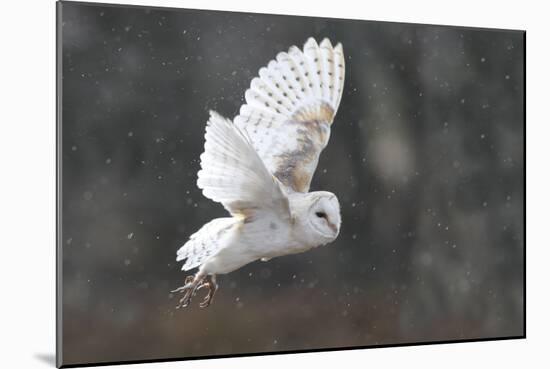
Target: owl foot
(189,289)
(192,285)
(208,282)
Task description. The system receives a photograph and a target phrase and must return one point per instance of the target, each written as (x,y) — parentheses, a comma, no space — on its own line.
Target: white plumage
(295,89)
(260,166)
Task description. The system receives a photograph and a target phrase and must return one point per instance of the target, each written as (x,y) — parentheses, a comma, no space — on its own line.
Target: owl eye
(321,214)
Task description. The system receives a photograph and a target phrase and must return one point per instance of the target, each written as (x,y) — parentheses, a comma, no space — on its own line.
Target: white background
(27,164)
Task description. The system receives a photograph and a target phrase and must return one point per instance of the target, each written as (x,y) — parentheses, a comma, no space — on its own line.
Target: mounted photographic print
(243,184)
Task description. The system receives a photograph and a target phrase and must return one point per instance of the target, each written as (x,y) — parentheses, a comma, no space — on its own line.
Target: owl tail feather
(204,243)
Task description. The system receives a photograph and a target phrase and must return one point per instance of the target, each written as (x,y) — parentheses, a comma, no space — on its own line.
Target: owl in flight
(259,167)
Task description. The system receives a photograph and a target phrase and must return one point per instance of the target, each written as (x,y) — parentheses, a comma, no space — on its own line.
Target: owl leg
(210,283)
(189,289)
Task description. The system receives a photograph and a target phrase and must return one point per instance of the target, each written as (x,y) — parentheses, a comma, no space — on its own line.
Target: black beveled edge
(58,186)
(305,351)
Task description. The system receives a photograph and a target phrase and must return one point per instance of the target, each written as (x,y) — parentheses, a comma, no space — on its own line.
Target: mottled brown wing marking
(295,168)
(320,111)
(290,108)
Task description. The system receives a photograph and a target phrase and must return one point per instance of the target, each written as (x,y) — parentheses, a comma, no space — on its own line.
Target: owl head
(323,216)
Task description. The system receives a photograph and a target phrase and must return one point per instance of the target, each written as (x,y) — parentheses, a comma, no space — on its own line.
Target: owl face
(324,215)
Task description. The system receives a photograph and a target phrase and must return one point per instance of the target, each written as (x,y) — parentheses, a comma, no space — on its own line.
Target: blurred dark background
(426,157)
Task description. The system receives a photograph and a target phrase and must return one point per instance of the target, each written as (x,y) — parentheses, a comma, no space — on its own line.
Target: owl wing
(233,174)
(290,108)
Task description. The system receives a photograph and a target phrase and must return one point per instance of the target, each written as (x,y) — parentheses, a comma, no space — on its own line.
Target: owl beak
(333,227)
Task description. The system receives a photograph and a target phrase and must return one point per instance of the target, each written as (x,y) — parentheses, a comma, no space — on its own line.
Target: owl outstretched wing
(233,174)
(290,108)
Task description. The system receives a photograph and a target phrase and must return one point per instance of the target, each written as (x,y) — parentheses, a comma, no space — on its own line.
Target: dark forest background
(426,157)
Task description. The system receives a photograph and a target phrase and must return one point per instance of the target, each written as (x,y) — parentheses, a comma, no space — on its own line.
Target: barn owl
(260,165)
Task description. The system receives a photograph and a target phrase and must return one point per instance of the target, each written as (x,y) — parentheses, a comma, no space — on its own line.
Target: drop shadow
(46,358)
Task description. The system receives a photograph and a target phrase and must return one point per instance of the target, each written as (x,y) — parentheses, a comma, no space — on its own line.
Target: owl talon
(186,284)
(210,283)
(190,287)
